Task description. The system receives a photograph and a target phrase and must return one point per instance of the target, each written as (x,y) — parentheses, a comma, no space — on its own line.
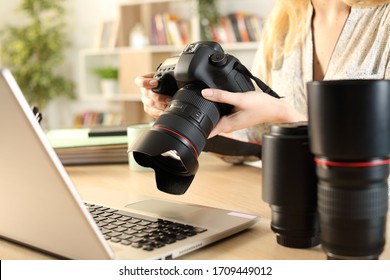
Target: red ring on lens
(330,163)
(179,135)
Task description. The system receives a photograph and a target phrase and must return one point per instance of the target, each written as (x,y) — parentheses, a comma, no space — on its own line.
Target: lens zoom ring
(195,98)
(358,203)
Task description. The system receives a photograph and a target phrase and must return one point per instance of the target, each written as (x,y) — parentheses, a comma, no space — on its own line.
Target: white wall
(83,18)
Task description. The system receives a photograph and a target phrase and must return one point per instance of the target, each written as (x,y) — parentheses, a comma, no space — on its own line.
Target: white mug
(133,133)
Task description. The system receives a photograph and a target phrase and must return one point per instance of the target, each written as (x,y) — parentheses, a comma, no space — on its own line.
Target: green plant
(107,72)
(34,51)
(208,15)
(208,9)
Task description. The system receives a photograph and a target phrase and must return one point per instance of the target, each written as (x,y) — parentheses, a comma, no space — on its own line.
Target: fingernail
(207,92)
(153,82)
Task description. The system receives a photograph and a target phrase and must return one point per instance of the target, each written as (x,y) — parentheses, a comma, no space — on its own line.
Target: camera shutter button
(218,59)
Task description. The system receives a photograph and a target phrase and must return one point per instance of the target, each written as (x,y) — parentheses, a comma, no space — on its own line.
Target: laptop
(40,207)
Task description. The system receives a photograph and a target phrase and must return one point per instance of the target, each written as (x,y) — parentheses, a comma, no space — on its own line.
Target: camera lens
(352,202)
(290,185)
(349,131)
(171,147)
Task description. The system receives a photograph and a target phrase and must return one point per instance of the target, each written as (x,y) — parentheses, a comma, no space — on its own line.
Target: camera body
(173,144)
(202,65)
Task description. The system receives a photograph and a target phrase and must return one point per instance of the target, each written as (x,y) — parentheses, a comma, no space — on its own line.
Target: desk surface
(216,183)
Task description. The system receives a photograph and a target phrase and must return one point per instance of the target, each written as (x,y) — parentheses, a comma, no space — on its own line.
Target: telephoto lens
(290,185)
(349,128)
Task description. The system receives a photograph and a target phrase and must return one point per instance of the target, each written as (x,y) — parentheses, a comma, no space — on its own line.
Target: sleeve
(387,70)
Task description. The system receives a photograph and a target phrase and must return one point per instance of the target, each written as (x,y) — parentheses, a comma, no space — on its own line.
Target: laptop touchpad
(166,209)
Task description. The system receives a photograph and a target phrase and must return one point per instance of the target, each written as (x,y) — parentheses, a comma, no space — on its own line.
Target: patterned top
(361,52)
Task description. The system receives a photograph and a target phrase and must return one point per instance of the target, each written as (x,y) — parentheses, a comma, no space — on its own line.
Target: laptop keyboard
(138,231)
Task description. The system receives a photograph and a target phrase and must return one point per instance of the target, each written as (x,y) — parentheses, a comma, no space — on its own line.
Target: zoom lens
(171,147)
(350,138)
(352,203)
(290,185)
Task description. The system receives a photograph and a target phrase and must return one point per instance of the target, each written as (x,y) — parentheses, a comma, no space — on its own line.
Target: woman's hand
(154,103)
(250,108)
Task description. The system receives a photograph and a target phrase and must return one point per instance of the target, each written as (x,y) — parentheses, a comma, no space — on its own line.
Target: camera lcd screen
(170,61)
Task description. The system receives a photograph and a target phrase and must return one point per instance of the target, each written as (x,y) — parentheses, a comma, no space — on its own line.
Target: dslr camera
(173,144)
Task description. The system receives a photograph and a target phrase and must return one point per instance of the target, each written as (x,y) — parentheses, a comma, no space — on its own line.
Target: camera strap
(265,88)
(232,147)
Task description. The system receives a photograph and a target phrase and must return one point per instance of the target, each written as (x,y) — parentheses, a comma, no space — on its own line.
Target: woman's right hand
(154,103)
(249,109)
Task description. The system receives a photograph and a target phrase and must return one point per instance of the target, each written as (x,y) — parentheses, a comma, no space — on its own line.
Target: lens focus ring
(356,203)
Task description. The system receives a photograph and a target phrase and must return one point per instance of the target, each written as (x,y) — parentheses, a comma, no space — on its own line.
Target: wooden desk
(216,184)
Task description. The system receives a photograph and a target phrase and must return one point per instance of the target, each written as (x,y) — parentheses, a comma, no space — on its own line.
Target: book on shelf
(226,27)
(169,29)
(235,27)
(93,118)
(158,30)
(239,26)
(75,146)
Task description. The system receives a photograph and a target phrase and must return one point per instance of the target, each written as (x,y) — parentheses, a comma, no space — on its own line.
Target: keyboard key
(126,242)
(130,231)
(113,234)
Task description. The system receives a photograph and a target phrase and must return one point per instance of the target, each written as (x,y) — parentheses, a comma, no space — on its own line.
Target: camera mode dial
(218,59)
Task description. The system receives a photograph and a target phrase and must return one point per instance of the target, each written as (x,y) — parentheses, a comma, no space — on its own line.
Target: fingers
(225,125)
(234,120)
(154,103)
(158,101)
(146,81)
(222,96)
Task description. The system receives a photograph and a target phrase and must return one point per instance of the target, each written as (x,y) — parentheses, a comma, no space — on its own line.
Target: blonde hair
(285,26)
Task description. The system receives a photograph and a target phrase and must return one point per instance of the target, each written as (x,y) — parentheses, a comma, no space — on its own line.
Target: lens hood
(173,174)
(353,116)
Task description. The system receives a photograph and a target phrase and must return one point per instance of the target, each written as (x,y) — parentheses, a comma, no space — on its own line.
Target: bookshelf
(182,26)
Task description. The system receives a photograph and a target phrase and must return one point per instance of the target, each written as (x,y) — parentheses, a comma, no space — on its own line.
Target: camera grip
(166,85)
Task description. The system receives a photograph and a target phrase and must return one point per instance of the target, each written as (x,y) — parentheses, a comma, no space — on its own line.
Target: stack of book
(79,146)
